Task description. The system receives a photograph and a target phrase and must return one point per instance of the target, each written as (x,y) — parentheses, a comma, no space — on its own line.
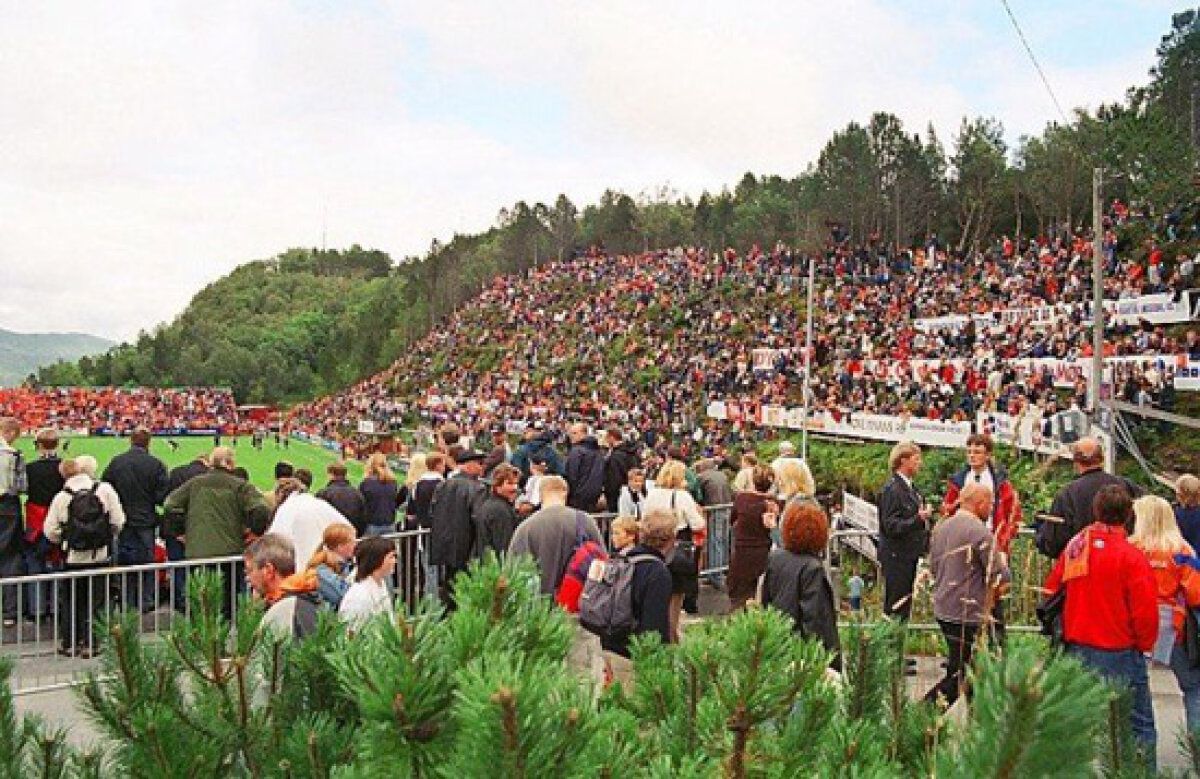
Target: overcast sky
(146,148)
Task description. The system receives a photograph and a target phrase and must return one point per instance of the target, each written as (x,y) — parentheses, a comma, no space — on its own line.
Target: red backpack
(586,550)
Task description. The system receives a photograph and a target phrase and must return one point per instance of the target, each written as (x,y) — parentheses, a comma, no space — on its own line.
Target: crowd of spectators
(120,410)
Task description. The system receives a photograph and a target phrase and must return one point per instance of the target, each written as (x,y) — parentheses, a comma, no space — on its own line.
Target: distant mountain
(23,353)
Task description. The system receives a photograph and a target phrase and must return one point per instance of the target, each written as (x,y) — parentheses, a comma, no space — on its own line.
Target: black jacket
(497,521)
(44,480)
(454,517)
(796,584)
(422,499)
(622,459)
(179,476)
(901,532)
(1074,504)
(380,500)
(140,480)
(585,475)
(650,593)
(347,499)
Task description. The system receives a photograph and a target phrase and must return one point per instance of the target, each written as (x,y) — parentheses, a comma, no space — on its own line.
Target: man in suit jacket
(903,530)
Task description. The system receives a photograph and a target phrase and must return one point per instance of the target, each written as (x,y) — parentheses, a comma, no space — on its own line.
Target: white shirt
(685,508)
(364,600)
(303,518)
(983,477)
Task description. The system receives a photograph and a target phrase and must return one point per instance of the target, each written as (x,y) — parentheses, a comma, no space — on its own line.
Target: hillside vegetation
(21,354)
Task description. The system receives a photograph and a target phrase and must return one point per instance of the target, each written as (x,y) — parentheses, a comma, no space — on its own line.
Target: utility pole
(808,357)
(1097,295)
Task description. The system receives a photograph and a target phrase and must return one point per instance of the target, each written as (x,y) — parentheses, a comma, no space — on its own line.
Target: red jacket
(1115,605)
(1006,504)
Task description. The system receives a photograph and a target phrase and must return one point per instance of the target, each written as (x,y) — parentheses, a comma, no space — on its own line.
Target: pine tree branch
(512,738)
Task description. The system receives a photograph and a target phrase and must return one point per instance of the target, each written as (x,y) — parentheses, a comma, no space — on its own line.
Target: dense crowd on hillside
(118,410)
(650,339)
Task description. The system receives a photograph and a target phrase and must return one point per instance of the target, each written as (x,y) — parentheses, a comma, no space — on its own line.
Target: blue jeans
(175,552)
(1126,667)
(135,546)
(1188,679)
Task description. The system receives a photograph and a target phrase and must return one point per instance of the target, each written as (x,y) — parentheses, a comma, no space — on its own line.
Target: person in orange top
(1157,534)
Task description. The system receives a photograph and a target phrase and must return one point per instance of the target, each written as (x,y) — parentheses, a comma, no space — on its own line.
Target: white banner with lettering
(1159,309)
(858,514)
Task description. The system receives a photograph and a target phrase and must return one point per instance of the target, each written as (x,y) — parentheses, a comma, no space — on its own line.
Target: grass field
(260,464)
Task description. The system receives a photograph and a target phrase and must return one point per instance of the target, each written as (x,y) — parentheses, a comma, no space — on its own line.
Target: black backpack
(87,527)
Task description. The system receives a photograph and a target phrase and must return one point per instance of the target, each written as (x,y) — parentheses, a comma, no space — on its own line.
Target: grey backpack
(606,604)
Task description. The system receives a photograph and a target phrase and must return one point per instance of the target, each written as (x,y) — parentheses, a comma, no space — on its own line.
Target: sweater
(966,563)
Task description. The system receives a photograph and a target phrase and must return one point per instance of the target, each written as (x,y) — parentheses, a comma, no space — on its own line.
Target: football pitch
(260,464)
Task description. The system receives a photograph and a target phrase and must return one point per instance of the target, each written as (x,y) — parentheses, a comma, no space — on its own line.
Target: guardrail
(53,651)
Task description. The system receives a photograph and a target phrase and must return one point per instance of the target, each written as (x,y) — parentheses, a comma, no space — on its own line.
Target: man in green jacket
(217,509)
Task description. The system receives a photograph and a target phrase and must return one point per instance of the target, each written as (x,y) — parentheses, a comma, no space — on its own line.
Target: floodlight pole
(808,356)
(1098,306)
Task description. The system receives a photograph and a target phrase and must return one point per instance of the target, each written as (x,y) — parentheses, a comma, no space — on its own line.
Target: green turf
(261,465)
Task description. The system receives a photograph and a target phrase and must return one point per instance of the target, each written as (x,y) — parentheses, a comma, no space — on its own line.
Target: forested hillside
(313,321)
(23,353)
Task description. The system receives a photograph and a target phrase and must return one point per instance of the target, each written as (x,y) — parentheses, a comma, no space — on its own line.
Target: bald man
(1072,507)
(967,566)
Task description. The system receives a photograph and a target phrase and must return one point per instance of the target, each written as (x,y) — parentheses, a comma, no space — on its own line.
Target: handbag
(682,560)
(1050,615)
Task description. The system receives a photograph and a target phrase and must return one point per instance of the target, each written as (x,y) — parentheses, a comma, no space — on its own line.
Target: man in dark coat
(173,525)
(538,441)
(903,530)
(1072,507)
(140,480)
(585,470)
(455,514)
(622,457)
(498,518)
(344,496)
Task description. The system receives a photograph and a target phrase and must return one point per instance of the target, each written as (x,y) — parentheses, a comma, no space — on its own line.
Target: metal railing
(56,641)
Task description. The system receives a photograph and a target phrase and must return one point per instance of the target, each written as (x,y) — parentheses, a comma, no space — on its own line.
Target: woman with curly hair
(796,583)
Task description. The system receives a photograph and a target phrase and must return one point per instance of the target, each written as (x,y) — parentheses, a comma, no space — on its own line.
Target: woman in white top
(375,559)
(670,493)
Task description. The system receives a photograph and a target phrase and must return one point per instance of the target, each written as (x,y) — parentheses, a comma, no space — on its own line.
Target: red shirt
(1115,605)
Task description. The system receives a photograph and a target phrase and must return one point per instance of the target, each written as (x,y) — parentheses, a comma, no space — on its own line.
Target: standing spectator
(1006,508)
(585,470)
(432,474)
(903,530)
(454,519)
(12,484)
(650,591)
(531,497)
(744,480)
(418,465)
(344,496)
(1111,613)
(624,534)
(500,452)
(755,515)
(670,492)
(302,518)
(270,565)
(967,567)
(45,480)
(178,477)
(332,563)
(1187,508)
(551,534)
(498,518)
(283,470)
(716,499)
(1178,586)
(380,496)
(796,582)
(140,479)
(538,440)
(374,564)
(83,595)
(622,458)
(218,508)
(1072,508)
(633,494)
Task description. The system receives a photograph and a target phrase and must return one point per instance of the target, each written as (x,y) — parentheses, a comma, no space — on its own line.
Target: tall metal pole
(808,337)
(1097,296)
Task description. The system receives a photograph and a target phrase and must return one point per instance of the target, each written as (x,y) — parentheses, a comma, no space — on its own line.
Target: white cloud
(147,148)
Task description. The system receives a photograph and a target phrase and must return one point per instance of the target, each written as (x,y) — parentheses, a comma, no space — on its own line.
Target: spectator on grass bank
(1187,508)
(81,597)
(374,564)
(380,496)
(45,480)
(1178,585)
(967,567)
(796,582)
(903,530)
(1072,509)
(498,519)
(1110,617)
(333,563)
(755,515)
(12,485)
(344,496)
(302,517)
(650,590)
(140,479)
(291,600)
